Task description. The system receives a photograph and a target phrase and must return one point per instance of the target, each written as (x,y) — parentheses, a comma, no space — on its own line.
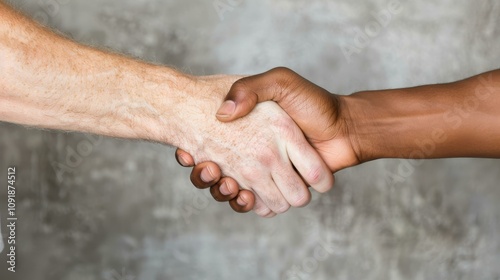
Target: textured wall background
(125,210)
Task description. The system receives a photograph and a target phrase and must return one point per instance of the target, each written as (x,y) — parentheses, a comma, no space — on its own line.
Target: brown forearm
(460,119)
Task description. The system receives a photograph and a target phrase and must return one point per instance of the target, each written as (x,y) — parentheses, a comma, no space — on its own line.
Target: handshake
(278,154)
(261,157)
(264,157)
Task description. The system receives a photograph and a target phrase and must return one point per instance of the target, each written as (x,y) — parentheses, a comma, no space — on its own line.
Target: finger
(272,214)
(291,185)
(309,163)
(272,197)
(247,92)
(205,175)
(301,99)
(225,190)
(260,208)
(243,202)
(184,158)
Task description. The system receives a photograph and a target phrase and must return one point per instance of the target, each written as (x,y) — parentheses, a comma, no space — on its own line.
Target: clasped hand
(284,161)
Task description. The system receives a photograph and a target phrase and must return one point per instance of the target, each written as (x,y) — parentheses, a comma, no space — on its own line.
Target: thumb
(247,92)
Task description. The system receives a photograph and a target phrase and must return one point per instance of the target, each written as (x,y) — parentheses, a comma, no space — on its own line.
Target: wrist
(393,123)
(159,103)
(188,115)
(365,121)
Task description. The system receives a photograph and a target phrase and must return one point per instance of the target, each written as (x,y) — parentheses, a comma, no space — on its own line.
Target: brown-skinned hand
(321,116)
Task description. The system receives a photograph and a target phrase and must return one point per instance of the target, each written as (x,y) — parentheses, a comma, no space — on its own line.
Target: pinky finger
(261,209)
(184,158)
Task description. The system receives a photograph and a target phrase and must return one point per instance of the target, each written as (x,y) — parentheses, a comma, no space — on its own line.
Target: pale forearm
(54,83)
(49,81)
(460,119)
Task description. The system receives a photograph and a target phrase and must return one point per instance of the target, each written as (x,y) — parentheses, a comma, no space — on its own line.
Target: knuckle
(282,71)
(326,187)
(250,174)
(285,77)
(262,211)
(286,122)
(302,199)
(314,175)
(242,93)
(282,208)
(285,126)
(267,155)
(240,86)
(274,203)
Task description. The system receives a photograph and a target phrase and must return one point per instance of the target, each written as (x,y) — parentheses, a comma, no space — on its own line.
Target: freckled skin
(254,150)
(51,82)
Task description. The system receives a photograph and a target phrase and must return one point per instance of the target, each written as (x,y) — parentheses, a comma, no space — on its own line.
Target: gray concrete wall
(125,210)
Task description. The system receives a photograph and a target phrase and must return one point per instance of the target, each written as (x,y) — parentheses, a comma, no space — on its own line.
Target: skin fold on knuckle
(250,174)
(301,199)
(314,175)
(286,128)
(281,207)
(295,191)
(285,81)
(262,211)
(268,155)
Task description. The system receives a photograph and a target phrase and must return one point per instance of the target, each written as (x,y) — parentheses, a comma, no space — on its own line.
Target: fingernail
(241,201)
(206,175)
(183,160)
(226,109)
(224,189)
